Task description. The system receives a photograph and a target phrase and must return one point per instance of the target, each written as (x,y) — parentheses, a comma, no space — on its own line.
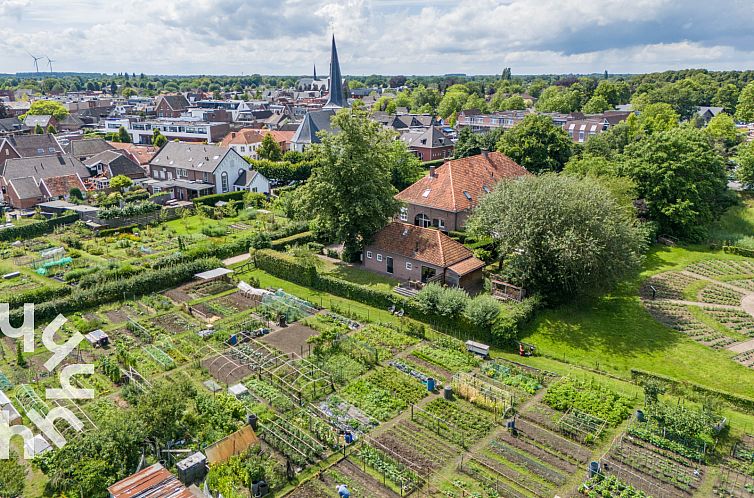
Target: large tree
(350,193)
(48,108)
(537,144)
(745,165)
(681,177)
(745,107)
(270,149)
(560,236)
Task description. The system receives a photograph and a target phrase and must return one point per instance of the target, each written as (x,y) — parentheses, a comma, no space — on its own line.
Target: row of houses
(37,168)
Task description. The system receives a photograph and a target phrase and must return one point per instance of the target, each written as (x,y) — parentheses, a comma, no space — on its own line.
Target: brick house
(171,106)
(17,146)
(26,182)
(414,254)
(429,144)
(445,197)
(247,140)
(191,170)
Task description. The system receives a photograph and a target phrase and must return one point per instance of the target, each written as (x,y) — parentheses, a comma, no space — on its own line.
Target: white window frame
(404,214)
(409,266)
(379,257)
(369,254)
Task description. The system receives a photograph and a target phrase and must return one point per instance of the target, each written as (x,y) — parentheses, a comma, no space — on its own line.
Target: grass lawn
(616,334)
(359,276)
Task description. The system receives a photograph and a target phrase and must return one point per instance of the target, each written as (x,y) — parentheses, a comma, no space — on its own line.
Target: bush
(214,230)
(32,230)
(299,238)
(453,301)
(128,210)
(482,311)
(113,231)
(514,316)
(212,199)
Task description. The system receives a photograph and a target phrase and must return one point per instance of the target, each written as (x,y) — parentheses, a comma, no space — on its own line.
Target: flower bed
(736,320)
(715,268)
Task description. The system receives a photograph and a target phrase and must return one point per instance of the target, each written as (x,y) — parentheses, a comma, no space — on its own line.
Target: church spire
(315,72)
(335,83)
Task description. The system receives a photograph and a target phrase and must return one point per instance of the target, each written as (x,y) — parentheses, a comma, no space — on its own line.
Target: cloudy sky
(376,36)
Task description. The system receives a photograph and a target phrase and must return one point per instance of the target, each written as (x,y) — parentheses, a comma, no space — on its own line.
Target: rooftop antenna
(36,65)
(50,61)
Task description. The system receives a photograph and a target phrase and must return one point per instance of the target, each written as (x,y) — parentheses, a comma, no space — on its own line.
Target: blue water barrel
(594,468)
(233,340)
(348,437)
(430,384)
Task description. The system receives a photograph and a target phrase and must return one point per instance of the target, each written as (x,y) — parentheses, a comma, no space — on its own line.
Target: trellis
(290,439)
(159,356)
(581,425)
(29,400)
(483,393)
(136,379)
(78,411)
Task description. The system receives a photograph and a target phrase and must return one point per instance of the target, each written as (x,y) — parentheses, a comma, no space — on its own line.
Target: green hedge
(740,251)
(36,229)
(298,239)
(142,283)
(435,162)
(210,200)
(112,231)
(511,318)
(36,295)
(689,389)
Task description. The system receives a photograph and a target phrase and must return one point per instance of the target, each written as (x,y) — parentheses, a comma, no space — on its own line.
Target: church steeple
(315,72)
(335,84)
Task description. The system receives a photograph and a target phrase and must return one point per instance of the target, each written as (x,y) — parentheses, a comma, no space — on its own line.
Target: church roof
(313,122)
(337,97)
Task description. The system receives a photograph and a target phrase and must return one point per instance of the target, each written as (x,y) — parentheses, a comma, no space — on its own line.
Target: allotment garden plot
(712,302)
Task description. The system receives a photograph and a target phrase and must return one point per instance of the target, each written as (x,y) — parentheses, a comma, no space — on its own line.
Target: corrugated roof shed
(152,482)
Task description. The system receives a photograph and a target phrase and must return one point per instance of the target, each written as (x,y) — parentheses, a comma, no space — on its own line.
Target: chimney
(432,172)
(485,153)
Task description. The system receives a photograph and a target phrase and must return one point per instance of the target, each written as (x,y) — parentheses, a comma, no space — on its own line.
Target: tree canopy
(537,144)
(48,108)
(270,149)
(560,236)
(350,193)
(681,178)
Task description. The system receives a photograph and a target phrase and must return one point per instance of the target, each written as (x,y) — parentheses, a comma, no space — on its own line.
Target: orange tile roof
(62,185)
(458,184)
(423,244)
(466,266)
(247,136)
(142,153)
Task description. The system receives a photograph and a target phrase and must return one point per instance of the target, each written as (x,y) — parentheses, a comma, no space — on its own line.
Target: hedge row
(36,229)
(142,283)
(687,388)
(36,295)
(298,239)
(740,251)
(112,231)
(212,199)
(288,268)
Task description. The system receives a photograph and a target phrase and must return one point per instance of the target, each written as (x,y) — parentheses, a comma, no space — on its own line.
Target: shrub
(513,317)
(214,230)
(453,301)
(212,199)
(128,210)
(482,311)
(299,238)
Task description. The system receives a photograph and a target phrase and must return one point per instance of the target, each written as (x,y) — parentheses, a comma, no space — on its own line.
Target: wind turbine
(36,65)
(49,61)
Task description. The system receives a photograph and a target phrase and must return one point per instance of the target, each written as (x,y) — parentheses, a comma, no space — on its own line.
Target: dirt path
(236,259)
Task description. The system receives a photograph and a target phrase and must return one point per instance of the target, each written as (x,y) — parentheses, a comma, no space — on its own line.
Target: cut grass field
(359,276)
(615,334)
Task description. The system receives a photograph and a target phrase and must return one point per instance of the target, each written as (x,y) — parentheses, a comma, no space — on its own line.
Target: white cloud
(376,36)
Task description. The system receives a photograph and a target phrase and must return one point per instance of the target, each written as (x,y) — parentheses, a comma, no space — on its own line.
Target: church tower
(337,97)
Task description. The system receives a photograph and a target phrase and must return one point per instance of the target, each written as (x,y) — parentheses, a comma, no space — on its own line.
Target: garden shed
(216,274)
(98,338)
